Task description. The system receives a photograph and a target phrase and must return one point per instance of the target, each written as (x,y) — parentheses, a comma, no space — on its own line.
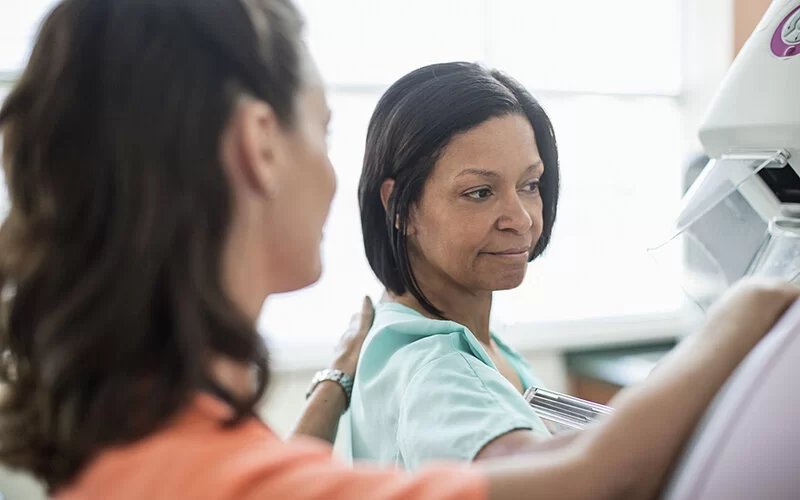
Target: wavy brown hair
(110,257)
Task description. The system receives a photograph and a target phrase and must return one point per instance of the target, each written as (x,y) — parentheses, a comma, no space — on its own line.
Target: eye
(532,187)
(479,194)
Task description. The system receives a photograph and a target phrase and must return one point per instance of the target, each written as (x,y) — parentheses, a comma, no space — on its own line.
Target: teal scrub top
(426,390)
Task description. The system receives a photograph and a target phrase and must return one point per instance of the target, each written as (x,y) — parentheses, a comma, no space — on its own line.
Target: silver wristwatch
(344,380)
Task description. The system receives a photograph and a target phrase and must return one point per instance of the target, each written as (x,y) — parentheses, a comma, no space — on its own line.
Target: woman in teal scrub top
(458,193)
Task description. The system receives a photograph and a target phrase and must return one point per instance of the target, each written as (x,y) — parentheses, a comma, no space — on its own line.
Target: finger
(366,305)
(367,312)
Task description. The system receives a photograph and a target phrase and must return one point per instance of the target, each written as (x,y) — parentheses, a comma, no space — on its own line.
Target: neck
(244,276)
(245,282)
(456,304)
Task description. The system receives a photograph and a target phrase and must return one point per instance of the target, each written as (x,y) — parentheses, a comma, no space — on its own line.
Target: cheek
(454,239)
(329,175)
(324,176)
(470,235)
(292,247)
(315,182)
(301,208)
(535,213)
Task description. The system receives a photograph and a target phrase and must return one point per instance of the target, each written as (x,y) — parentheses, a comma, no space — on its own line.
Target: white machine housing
(749,193)
(757,105)
(742,217)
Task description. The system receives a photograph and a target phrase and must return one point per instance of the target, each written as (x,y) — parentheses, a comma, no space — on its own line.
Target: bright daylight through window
(611,86)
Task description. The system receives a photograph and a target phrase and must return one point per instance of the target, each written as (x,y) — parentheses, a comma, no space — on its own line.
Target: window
(19,21)
(610,76)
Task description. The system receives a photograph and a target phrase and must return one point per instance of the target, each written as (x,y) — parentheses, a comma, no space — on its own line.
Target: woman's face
(304,187)
(480,214)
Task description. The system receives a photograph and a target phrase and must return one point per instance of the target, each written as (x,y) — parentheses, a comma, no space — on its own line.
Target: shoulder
(405,322)
(400,336)
(196,456)
(519,363)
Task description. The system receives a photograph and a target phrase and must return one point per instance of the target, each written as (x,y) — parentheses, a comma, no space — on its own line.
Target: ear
(256,141)
(386,192)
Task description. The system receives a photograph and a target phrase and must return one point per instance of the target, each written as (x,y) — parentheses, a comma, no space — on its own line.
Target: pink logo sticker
(786,39)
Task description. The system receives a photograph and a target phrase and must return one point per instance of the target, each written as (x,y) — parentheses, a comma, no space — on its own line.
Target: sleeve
(453,407)
(304,472)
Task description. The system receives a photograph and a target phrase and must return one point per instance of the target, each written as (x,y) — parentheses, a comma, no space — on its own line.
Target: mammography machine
(741,217)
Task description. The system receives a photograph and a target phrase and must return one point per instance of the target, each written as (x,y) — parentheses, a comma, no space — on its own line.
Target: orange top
(195,458)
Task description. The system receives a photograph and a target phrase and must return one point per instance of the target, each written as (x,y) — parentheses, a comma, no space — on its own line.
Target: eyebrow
(478,171)
(538,165)
(494,175)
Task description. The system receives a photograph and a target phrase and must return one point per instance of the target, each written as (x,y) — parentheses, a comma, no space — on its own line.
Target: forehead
(313,87)
(310,71)
(502,144)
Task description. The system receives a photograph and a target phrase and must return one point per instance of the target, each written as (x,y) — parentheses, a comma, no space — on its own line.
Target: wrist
(345,364)
(334,376)
(331,395)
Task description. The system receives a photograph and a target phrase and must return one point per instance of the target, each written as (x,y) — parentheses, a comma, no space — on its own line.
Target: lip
(512,253)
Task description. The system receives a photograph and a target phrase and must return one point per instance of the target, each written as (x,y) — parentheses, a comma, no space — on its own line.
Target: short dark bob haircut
(412,124)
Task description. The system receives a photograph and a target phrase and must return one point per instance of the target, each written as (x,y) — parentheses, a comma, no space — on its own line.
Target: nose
(514,216)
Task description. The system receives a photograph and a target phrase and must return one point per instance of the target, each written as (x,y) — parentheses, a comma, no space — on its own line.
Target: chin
(507,282)
(301,277)
(311,275)
(506,286)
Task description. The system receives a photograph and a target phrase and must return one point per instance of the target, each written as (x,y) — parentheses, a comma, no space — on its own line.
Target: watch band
(344,380)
